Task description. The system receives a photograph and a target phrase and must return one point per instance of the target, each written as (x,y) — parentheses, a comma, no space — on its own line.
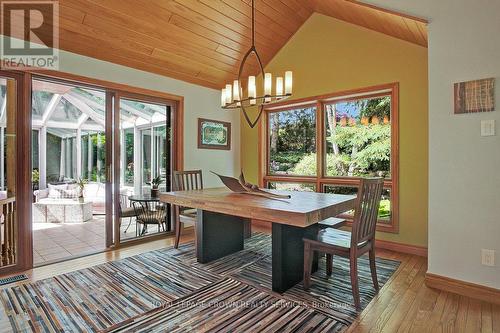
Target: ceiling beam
(51,107)
(83,107)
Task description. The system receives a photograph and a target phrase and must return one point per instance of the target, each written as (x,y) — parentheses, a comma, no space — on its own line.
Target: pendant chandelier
(233,96)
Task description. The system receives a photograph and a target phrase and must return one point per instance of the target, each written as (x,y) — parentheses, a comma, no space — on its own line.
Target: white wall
(464,168)
(199,102)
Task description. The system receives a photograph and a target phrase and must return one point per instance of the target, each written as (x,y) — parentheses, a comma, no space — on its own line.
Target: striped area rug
(170,288)
(232,306)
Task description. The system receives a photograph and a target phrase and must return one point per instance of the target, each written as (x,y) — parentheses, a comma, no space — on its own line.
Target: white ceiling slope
(418,8)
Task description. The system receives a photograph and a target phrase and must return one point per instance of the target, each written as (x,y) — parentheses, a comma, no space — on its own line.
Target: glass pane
(292,142)
(291,186)
(338,189)
(384,212)
(161,155)
(8,151)
(358,138)
(128,153)
(146,157)
(144,162)
(69,165)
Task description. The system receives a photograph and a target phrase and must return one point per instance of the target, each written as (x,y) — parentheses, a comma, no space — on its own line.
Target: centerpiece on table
(155,183)
(241,186)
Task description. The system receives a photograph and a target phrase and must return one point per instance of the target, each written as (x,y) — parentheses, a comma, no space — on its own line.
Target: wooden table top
(302,210)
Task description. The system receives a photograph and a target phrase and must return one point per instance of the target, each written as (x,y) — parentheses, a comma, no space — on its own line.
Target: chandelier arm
(252,123)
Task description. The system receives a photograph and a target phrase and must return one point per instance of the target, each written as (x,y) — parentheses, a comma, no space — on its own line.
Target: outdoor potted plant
(155,183)
(81,186)
(35,179)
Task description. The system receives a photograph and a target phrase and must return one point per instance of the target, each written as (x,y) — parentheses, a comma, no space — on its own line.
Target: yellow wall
(328,55)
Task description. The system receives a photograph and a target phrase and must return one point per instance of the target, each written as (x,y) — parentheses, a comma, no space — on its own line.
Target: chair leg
(177,227)
(308,255)
(129,223)
(354,281)
(373,269)
(329,264)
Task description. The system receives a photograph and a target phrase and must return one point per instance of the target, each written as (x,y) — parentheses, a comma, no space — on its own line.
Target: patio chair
(353,244)
(149,213)
(185,181)
(126,211)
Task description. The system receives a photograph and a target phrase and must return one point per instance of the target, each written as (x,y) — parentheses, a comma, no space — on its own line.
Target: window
(291,186)
(292,141)
(328,143)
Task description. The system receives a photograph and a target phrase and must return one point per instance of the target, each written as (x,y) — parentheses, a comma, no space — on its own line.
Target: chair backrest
(187,180)
(123,201)
(366,211)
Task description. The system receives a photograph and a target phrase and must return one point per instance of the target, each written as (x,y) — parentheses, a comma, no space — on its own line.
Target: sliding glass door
(143,162)
(69,163)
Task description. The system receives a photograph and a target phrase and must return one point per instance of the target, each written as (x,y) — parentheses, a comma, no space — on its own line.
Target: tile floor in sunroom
(57,241)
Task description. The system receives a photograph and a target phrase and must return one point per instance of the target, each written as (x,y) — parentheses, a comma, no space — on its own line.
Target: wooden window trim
(321,179)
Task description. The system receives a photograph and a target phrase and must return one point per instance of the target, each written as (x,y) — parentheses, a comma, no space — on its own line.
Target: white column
(90,158)
(69,163)
(42,157)
(78,153)
(99,162)
(123,157)
(152,141)
(2,158)
(137,162)
(62,167)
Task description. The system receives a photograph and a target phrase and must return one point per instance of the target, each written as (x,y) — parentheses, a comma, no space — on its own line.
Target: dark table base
(218,235)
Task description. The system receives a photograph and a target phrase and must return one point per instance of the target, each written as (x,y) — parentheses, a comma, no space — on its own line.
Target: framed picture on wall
(475,96)
(214,134)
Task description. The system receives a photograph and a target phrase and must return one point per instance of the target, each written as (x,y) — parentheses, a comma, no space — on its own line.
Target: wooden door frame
(24,253)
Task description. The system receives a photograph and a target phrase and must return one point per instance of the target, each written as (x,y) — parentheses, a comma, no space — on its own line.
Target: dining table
(222,216)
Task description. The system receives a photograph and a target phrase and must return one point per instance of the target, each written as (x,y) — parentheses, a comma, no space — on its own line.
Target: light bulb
(288,82)
(268,82)
(252,90)
(279,86)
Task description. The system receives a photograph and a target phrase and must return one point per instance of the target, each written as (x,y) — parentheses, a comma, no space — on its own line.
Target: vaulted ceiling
(203,41)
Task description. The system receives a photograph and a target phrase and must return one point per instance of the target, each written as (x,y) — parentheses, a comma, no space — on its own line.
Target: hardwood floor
(404,304)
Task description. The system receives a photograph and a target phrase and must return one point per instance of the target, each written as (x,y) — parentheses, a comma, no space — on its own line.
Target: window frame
(321,180)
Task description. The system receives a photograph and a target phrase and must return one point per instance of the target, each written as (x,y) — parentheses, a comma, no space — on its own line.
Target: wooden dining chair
(185,181)
(350,244)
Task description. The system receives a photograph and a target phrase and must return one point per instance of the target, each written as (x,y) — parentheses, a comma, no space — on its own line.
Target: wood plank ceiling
(203,41)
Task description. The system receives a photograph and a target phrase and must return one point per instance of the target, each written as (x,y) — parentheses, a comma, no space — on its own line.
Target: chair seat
(127,212)
(335,237)
(189,212)
(332,222)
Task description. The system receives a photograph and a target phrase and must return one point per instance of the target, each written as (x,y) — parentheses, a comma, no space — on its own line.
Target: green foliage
(337,165)
(384,211)
(306,166)
(296,130)
(81,185)
(35,176)
(367,148)
(155,182)
(379,107)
